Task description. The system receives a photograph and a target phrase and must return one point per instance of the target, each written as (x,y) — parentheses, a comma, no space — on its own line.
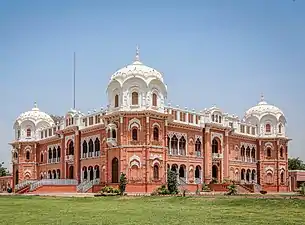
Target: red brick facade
(146,158)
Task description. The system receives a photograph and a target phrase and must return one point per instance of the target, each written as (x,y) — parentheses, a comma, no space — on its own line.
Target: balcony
(111,142)
(69,159)
(217,156)
(198,153)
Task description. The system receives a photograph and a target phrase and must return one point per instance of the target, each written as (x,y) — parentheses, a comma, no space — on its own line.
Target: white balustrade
(217,155)
(55,182)
(23,184)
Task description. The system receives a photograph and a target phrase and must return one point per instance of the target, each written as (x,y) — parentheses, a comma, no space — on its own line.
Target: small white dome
(35,115)
(263,108)
(136,68)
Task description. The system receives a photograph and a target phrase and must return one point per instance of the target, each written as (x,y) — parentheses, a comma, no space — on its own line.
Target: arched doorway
(71,172)
(90,172)
(115,170)
(215,172)
(97,172)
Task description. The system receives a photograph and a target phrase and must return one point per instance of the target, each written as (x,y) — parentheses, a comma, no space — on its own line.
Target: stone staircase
(85,186)
(20,188)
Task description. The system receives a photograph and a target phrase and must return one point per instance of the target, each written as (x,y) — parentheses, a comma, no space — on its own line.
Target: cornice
(96,127)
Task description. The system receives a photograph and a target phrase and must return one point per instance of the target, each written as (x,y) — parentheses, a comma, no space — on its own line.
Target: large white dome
(36,116)
(263,108)
(137,68)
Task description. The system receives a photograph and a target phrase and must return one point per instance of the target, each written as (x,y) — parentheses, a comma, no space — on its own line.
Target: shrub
(9,190)
(163,190)
(123,183)
(205,187)
(110,190)
(302,189)
(172,184)
(263,192)
(232,189)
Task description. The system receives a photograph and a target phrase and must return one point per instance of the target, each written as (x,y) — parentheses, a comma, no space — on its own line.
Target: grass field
(150,210)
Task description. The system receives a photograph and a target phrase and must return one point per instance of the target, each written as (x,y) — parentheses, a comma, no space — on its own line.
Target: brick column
(207,156)
(63,173)
(226,156)
(77,156)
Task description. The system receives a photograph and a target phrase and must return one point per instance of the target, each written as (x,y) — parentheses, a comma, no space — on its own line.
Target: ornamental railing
(55,182)
(23,184)
(87,184)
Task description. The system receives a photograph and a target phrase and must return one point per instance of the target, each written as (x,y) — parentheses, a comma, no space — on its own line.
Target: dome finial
(137,53)
(35,108)
(262,97)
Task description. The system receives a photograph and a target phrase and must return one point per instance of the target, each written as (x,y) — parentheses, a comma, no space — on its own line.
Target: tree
(296,164)
(3,170)
(172,183)
(123,182)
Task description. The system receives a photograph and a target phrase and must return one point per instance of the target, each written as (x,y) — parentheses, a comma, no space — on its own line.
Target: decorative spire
(262,97)
(137,53)
(35,107)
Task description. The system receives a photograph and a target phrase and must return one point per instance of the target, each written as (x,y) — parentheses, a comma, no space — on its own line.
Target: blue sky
(223,53)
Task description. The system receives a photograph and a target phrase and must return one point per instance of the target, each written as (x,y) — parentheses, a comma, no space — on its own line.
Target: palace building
(141,136)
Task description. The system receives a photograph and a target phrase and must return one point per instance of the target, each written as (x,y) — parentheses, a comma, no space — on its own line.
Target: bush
(110,190)
(205,187)
(163,190)
(232,189)
(302,189)
(123,183)
(263,192)
(172,184)
(9,190)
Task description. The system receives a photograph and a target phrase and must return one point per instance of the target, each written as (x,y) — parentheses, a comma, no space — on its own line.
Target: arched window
(135,98)
(90,148)
(97,147)
(268,152)
(115,170)
(113,133)
(198,147)
(280,128)
(71,148)
(134,134)
(85,149)
(281,152)
(282,177)
(116,101)
(156,134)
(156,172)
(154,99)
(219,119)
(242,151)
(15,155)
(41,157)
(58,153)
(182,144)
(214,146)
(50,154)
(54,153)
(28,132)
(268,128)
(27,155)
(174,145)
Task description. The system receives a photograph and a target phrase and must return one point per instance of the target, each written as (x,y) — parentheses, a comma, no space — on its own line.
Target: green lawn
(150,210)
